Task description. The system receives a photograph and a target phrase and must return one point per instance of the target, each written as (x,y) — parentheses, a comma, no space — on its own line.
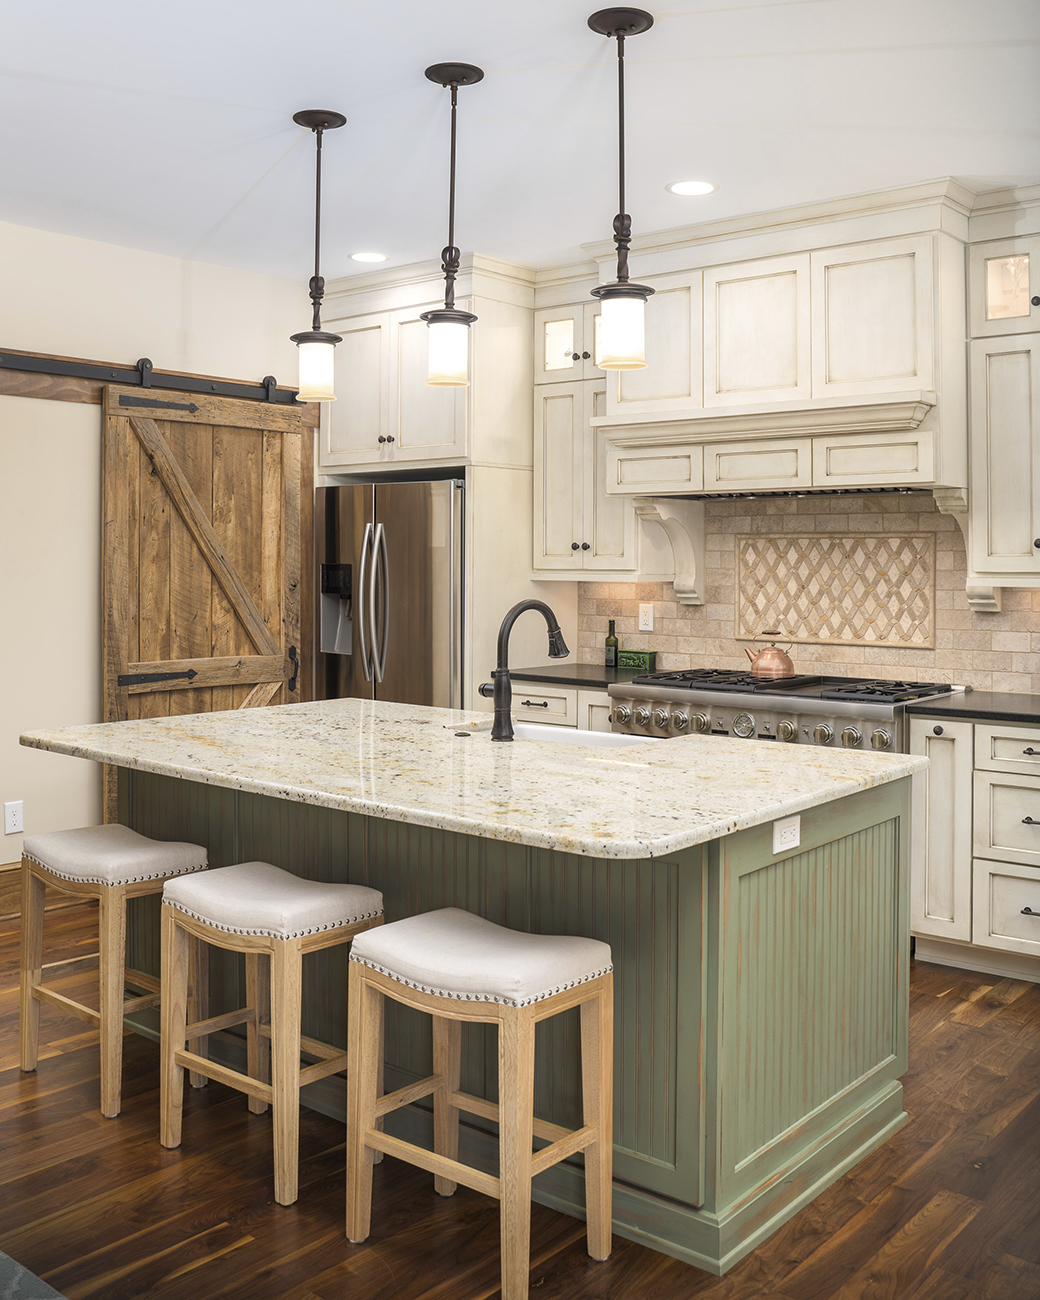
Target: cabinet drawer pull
(535,704)
(1028,821)
(1031,751)
(1028,911)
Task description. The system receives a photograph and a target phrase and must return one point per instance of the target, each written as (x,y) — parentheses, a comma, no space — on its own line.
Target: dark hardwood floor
(949,1209)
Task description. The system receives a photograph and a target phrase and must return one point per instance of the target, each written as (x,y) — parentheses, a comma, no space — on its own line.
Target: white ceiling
(168,126)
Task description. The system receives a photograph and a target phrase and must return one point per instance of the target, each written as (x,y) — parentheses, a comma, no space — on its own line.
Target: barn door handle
(139,679)
(295,661)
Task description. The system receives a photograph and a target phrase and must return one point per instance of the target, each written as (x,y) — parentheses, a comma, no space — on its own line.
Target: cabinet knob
(381,438)
(1035,300)
(390,437)
(585,356)
(575,546)
(937,731)
(584,546)
(1036,543)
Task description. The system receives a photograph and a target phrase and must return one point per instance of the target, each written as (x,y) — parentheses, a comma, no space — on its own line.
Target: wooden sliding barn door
(201,557)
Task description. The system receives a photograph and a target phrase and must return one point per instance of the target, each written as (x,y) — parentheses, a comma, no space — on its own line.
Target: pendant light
(620,344)
(449,326)
(317,346)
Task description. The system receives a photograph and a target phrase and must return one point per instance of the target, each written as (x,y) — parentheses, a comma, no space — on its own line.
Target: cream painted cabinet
(577,525)
(386,413)
(941,815)
(672,379)
(1005,455)
(763,464)
(872,318)
(594,710)
(565,343)
(1004,286)
(1006,908)
(756,332)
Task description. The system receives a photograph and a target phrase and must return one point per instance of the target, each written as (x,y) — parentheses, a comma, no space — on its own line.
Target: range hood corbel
(683,523)
(982,598)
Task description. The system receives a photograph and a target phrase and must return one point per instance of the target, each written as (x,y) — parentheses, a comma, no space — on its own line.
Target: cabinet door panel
(1003,748)
(428,421)
(858,460)
(1007,907)
(769,463)
(608,522)
(352,427)
(556,705)
(872,318)
(1003,280)
(940,851)
(756,332)
(1007,818)
(672,378)
(594,710)
(650,470)
(558,475)
(1005,454)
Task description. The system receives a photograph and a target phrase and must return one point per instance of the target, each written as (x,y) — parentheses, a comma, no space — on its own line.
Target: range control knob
(701,721)
(786,730)
(880,740)
(622,714)
(850,737)
(680,721)
(822,733)
(744,726)
(660,717)
(643,715)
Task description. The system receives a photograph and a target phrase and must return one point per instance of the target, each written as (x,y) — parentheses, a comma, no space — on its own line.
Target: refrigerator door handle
(366,548)
(380,584)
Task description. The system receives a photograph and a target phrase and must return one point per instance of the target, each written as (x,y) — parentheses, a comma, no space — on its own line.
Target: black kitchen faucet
(502,689)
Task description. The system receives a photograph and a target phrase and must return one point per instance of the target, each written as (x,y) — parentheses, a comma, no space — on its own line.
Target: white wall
(77,298)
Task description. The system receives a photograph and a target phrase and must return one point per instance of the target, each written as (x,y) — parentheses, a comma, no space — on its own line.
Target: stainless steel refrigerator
(390,566)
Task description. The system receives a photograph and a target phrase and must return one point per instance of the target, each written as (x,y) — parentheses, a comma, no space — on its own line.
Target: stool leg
(597,1099)
(198,1001)
(174,1022)
(447,1060)
(364,1017)
(515,1124)
(258,1045)
(286,977)
(33,890)
(112,945)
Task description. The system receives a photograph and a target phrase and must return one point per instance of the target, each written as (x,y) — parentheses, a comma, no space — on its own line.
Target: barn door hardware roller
(140,679)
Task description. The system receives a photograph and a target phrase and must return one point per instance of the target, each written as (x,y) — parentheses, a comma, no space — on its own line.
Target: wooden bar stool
(457,966)
(257,909)
(111,864)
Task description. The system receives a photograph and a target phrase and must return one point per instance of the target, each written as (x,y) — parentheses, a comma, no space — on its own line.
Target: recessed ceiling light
(691,187)
(375,257)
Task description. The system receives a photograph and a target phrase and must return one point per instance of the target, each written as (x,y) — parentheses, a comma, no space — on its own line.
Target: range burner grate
(720,679)
(880,691)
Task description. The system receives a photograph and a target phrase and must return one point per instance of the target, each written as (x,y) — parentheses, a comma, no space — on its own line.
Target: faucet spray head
(557,645)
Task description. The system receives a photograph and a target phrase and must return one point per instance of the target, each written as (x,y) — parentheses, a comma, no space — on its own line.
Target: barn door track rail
(144,375)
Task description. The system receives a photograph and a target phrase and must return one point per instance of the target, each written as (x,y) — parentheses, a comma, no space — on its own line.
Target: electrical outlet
(646,618)
(787,834)
(13,817)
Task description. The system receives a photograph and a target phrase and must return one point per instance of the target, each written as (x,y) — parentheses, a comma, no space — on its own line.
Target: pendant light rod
(622,215)
(318,120)
(452,75)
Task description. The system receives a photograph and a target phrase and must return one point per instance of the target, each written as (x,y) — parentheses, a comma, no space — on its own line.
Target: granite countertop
(593,677)
(981,706)
(409,763)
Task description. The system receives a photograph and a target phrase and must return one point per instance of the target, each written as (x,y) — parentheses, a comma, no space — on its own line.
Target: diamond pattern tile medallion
(872,590)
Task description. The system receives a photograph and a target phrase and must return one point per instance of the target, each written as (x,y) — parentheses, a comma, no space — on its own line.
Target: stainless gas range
(854,712)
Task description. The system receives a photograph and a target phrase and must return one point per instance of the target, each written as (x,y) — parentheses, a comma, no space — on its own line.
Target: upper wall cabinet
(1004,286)
(872,318)
(565,344)
(388,413)
(672,380)
(756,332)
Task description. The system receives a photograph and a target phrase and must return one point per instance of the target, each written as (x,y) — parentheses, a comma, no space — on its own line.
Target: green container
(645,660)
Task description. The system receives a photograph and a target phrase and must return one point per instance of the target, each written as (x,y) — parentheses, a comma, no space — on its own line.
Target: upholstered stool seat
(111,864)
(459,967)
(264,912)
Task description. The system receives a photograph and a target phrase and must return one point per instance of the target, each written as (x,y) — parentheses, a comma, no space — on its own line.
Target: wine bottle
(610,648)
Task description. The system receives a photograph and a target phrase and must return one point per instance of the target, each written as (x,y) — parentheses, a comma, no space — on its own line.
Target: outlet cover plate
(787,834)
(13,822)
(646,618)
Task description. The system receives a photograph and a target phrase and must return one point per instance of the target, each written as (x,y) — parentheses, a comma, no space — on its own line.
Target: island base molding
(760,1002)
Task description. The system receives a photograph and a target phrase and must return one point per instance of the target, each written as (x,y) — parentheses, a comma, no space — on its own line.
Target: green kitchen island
(761,997)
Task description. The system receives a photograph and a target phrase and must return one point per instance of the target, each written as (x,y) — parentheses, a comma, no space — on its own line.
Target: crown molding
(414,273)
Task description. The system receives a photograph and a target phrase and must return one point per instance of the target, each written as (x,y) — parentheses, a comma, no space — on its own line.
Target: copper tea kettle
(770,662)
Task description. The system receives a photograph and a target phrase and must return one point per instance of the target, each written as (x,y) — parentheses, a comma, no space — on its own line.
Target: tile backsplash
(999,652)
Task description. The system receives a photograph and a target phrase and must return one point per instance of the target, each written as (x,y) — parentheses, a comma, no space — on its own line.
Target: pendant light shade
(317,347)
(449,326)
(621,344)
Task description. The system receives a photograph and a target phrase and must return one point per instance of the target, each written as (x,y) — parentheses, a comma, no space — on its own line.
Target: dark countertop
(981,706)
(593,677)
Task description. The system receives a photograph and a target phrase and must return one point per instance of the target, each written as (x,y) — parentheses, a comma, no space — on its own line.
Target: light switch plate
(13,817)
(787,834)
(646,618)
